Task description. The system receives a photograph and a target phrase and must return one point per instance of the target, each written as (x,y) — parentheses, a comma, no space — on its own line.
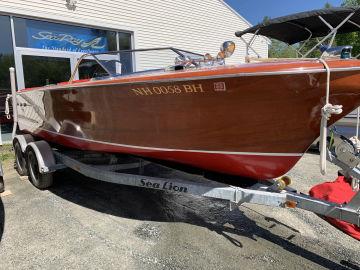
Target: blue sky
(255,10)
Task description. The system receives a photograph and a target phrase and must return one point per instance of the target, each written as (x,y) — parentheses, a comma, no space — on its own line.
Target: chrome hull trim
(145,79)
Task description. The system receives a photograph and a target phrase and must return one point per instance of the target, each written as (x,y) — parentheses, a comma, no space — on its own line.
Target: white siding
(199,26)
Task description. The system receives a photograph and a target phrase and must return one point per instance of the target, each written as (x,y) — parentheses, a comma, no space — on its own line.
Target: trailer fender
(23,140)
(44,155)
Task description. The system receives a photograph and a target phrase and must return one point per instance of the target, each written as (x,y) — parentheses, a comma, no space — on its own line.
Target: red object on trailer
(340,192)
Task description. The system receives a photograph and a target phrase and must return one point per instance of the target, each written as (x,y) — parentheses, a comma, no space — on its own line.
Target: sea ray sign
(66,38)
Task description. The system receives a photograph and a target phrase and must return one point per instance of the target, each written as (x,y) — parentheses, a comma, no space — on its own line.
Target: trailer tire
(20,160)
(38,179)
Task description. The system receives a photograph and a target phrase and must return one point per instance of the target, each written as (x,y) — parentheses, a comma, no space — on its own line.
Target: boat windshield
(131,62)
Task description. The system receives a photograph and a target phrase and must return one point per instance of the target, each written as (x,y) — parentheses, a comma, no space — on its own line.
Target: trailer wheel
(39,180)
(20,161)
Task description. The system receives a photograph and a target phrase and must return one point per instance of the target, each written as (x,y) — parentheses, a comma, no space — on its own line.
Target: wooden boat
(254,120)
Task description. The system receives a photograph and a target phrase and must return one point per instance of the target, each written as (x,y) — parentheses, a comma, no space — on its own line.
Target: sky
(255,10)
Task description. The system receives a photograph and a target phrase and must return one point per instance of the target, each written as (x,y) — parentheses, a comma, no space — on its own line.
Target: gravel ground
(84,224)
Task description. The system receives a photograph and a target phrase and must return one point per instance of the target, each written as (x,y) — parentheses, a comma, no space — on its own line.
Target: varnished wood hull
(249,120)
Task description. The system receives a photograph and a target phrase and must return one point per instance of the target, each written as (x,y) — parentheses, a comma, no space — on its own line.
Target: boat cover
(340,192)
(298,27)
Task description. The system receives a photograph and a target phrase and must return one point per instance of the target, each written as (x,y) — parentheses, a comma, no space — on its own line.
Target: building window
(62,37)
(125,58)
(47,44)
(6,61)
(57,70)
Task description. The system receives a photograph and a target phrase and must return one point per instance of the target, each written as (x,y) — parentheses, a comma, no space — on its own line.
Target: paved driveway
(85,224)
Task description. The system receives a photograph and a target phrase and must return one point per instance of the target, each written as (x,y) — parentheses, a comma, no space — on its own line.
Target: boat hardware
(345,153)
(343,156)
(281,183)
(181,54)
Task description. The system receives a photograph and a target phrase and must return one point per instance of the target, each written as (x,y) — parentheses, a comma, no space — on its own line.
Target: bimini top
(299,27)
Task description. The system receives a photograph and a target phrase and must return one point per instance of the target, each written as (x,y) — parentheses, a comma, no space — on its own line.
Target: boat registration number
(168,89)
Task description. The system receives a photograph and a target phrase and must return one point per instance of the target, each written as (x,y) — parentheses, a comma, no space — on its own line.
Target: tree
(350,3)
(266,20)
(278,49)
(308,46)
(353,38)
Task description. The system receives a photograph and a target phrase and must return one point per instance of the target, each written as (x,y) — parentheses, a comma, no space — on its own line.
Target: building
(43,39)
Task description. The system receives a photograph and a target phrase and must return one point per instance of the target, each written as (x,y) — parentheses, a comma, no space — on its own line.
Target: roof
(297,27)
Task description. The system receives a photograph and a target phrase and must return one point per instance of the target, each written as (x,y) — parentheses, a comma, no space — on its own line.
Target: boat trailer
(42,161)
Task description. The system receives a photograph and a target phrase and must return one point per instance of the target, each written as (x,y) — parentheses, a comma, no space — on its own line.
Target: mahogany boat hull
(254,121)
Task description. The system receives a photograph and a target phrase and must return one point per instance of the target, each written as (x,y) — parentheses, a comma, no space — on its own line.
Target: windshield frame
(181,53)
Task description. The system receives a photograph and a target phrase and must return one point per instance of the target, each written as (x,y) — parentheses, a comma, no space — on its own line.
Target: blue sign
(51,36)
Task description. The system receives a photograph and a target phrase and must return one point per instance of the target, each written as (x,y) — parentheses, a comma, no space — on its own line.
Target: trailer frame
(272,193)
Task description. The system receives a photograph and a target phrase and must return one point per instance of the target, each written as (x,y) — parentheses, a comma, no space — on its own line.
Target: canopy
(297,27)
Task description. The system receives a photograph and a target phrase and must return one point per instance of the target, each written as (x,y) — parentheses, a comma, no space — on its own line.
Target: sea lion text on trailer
(168,89)
(169,186)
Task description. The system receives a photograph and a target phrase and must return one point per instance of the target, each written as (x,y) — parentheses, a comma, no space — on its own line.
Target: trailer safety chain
(7,108)
(326,112)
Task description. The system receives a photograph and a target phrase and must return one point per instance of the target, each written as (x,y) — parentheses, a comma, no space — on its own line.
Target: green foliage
(266,19)
(350,3)
(6,153)
(279,49)
(308,46)
(352,39)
